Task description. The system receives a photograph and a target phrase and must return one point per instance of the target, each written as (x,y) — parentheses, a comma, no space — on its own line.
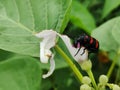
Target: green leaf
(21,19)
(67,82)
(81,17)
(46,84)
(109,6)
(108,36)
(20,73)
(51,14)
(116,30)
(5,55)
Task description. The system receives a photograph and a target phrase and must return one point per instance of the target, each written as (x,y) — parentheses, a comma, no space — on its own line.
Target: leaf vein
(17,23)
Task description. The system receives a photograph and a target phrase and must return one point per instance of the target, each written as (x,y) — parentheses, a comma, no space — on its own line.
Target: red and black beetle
(90,43)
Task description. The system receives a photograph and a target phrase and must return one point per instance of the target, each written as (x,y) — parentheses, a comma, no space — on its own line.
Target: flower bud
(116,87)
(86,80)
(103,79)
(86,65)
(85,87)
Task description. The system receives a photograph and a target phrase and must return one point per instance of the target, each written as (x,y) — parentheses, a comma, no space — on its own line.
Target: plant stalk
(112,67)
(70,63)
(92,78)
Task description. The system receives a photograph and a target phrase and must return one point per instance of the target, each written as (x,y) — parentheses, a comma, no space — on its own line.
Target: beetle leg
(77,51)
(83,51)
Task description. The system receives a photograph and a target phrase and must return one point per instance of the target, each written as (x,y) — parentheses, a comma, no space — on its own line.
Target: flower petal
(79,58)
(44,33)
(67,42)
(73,50)
(48,41)
(52,67)
(43,58)
(48,36)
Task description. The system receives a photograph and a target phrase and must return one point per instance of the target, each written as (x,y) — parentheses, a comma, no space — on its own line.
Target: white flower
(48,41)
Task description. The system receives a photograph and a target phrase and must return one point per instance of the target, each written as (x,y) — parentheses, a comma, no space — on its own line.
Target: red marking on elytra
(96,46)
(91,40)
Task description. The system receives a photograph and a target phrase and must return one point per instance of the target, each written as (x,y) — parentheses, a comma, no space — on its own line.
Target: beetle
(84,40)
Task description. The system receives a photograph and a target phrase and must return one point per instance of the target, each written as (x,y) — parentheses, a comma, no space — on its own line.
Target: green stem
(118,74)
(112,67)
(69,61)
(92,79)
(113,64)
